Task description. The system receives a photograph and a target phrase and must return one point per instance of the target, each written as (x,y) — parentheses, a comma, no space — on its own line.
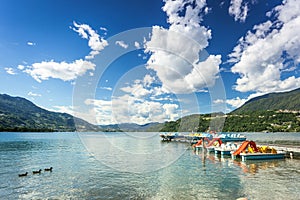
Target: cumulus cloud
(141,89)
(126,109)
(95,42)
(137,90)
(122,44)
(131,110)
(10,70)
(60,70)
(266,55)
(175,51)
(99,112)
(239,10)
(68,71)
(137,102)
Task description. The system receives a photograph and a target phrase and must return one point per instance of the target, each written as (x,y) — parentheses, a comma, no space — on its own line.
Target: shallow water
(136,166)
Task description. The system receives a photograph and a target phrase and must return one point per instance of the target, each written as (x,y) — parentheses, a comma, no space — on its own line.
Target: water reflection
(251,167)
(254,167)
(133,153)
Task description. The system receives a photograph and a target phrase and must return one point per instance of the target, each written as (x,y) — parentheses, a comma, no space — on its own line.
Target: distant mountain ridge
(272,101)
(128,127)
(20,114)
(271,112)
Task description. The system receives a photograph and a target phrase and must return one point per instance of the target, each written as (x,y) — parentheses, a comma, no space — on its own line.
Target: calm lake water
(137,166)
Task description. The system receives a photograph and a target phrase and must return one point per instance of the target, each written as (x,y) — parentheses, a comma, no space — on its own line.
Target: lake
(137,166)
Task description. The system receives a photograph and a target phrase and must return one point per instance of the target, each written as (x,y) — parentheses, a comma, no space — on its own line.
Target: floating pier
(291,151)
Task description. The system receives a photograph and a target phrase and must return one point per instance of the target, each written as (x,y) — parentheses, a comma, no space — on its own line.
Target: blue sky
(142,61)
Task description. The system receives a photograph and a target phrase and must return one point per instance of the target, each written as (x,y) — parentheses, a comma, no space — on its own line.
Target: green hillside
(273,101)
(19,114)
(274,112)
(192,123)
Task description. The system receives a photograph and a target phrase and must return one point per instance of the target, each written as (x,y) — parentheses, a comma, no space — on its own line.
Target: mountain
(192,123)
(273,101)
(20,114)
(128,127)
(274,112)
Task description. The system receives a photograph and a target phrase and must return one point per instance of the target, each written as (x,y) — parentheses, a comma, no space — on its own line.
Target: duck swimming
(37,172)
(48,169)
(20,175)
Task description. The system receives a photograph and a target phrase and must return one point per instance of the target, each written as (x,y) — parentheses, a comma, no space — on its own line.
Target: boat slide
(244,146)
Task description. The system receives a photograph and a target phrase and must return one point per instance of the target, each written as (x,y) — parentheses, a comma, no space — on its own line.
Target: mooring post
(203,145)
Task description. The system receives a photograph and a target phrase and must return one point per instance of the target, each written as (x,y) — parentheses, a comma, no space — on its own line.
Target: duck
(37,172)
(48,169)
(25,174)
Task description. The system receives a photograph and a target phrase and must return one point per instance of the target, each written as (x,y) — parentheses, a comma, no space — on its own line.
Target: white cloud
(239,10)
(10,70)
(88,114)
(126,109)
(167,98)
(69,71)
(170,111)
(175,51)
(99,112)
(137,90)
(34,94)
(63,70)
(63,109)
(95,42)
(103,29)
(148,80)
(147,88)
(218,101)
(31,44)
(236,102)
(122,44)
(207,10)
(137,45)
(139,102)
(21,67)
(222,3)
(158,91)
(266,55)
(106,88)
